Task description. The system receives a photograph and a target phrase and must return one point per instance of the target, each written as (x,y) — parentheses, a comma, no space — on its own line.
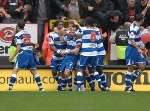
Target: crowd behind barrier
(110,16)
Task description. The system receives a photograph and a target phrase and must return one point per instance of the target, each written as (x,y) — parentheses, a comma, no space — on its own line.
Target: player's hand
(36,46)
(70,34)
(140,50)
(104,35)
(75,22)
(62,52)
(76,51)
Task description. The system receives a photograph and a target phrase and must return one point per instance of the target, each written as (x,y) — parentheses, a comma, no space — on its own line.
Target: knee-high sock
(91,82)
(136,74)
(101,78)
(128,80)
(80,79)
(12,81)
(38,81)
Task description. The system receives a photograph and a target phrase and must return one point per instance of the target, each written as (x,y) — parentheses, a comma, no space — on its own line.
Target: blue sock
(103,81)
(38,81)
(136,74)
(97,77)
(93,78)
(12,80)
(63,82)
(128,80)
(90,81)
(79,80)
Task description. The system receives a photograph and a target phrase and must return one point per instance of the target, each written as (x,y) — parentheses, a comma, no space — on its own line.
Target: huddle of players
(79,48)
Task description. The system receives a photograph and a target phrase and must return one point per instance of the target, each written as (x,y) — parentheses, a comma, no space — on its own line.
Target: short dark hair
(113,13)
(21,24)
(90,21)
(57,22)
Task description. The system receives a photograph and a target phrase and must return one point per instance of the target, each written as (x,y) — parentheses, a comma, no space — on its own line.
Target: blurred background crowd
(112,16)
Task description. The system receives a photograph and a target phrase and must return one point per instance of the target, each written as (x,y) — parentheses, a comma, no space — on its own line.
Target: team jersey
(23,38)
(58,43)
(71,43)
(135,34)
(26,57)
(70,59)
(132,55)
(100,47)
(90,39)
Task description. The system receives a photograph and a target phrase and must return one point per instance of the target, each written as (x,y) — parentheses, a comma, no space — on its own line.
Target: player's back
(90,39)
(134,33)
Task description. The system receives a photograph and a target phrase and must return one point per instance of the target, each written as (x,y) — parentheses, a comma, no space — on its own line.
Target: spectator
(144,6)
(73,10)
(98,10)
(27,13)
(147,18)
(1,3)
(145,11)
(114,20)
(121,5)
(13,7)
(41,12)
(58,8)
(133,9)
(148,53)
(28,2)
(3,15)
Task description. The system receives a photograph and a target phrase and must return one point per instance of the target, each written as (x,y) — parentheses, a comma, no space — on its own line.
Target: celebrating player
(70,53)
(88,52)
(57,44)
(133,54)
(25,58)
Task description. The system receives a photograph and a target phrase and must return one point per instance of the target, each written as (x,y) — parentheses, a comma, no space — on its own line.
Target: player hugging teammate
(79,48)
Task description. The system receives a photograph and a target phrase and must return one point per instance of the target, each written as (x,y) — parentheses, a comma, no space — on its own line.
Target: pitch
(74,101)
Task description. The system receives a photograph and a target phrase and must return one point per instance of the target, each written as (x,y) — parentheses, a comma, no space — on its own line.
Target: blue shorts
(55,65)
(132,56)
(100,60)
(67,63)
(26,59)
(85,61)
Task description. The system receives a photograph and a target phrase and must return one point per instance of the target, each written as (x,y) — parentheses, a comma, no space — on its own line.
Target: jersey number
(93,36)
(26,39)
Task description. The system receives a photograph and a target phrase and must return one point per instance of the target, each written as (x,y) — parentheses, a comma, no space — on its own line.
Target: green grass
(74,101)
